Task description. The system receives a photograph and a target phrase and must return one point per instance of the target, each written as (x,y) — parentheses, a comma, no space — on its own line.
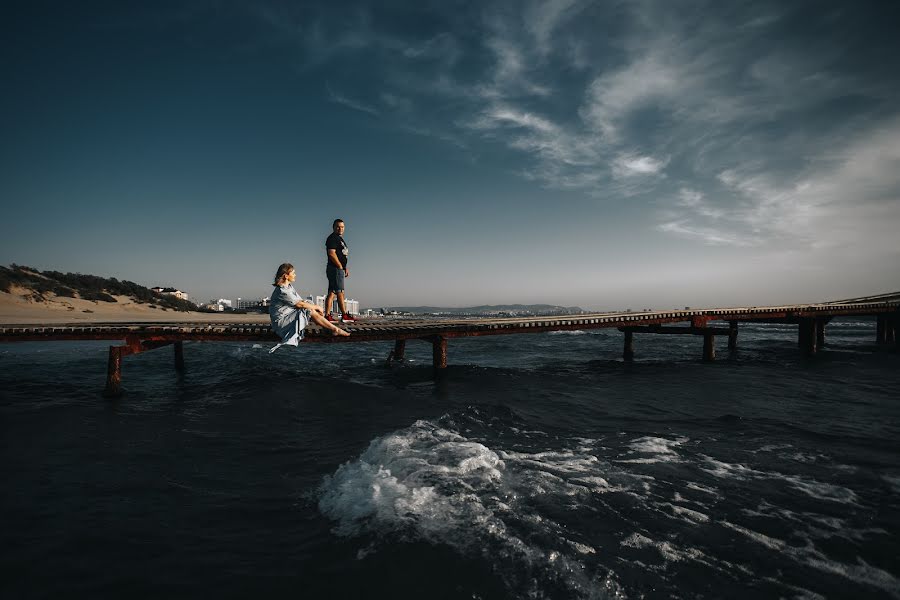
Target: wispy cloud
(351,103)
(707,235)
(630,165)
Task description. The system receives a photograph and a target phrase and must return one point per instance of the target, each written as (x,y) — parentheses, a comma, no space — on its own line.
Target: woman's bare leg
(325,323)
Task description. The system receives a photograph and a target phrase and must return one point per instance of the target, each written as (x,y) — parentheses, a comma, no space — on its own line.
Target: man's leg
(340,296)
(329,300)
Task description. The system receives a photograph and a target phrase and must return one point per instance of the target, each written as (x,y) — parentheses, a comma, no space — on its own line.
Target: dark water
(540,466)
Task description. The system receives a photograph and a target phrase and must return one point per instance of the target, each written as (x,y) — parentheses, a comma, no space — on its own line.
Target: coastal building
(351,304)
(169,291)
(252,304)
(220,305)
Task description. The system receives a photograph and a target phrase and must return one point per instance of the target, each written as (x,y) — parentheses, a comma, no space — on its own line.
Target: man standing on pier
(337,254)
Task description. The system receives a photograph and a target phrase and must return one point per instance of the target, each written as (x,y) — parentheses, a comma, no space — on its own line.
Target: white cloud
(351,103)
(628,165)
(612,96)
(707,235)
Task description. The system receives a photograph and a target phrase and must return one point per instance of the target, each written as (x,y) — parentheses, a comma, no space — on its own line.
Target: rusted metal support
(732,335)
(628,351)
(179,357)
(807,336)
(820,332)
(880,329)
(399,349)
(397,353)
(439,352)
(133,345)
(709,347)
(114,373)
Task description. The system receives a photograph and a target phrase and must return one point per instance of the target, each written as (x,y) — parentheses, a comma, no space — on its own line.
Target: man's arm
(333,257)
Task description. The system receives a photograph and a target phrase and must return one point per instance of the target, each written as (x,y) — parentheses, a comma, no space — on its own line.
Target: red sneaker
(330,317)
(348,318)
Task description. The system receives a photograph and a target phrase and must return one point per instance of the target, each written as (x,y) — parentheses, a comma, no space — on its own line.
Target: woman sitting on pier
(291,314)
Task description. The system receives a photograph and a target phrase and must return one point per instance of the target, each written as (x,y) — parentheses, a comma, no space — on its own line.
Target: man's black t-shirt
(336,242)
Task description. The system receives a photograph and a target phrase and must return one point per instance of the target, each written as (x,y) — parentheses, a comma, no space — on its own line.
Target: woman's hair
(283,270)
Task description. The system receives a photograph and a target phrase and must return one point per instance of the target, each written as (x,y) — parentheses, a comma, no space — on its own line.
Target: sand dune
(18,308)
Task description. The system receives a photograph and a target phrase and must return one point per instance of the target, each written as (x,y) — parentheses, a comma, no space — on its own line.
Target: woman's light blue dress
(288,321)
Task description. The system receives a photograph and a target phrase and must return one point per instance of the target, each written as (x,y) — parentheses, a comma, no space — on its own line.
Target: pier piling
(820,332)
(732,335)
(709,347)
(880,329)
(628,352)
(114,373)
(179,357)
(399,350)
(807,336)
(439,352)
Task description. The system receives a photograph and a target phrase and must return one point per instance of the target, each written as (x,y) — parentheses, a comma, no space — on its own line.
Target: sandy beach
(18,308)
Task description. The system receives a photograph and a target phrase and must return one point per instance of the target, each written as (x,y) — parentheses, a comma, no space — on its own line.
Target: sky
(609,154)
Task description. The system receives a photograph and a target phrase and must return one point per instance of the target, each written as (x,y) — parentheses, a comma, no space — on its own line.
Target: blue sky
(604,154)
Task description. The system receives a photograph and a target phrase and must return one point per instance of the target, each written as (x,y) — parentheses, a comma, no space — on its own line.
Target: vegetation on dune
(87,287)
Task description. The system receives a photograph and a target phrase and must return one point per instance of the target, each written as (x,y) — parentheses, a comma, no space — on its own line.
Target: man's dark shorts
(335,279)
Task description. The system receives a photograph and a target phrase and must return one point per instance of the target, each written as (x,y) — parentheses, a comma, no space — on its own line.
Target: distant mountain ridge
(45,285)
(537,309)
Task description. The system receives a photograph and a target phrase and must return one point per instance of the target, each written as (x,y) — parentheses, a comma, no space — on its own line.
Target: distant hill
(44,285)
(518,309)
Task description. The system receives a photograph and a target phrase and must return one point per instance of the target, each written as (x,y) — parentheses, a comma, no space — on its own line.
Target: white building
(242,304)
(169,291)
(352,305)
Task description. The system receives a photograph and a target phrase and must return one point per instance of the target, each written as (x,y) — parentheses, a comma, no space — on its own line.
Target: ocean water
(537,466)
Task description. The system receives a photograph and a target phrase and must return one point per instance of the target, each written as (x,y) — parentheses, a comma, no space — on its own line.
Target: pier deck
(810,318)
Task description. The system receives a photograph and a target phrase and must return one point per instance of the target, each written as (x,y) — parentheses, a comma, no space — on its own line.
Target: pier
(811,321)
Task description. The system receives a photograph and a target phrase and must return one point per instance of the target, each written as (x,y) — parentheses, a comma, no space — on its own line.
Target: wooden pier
(811,320)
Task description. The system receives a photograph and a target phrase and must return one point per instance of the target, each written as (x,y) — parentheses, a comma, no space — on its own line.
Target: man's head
(338,226)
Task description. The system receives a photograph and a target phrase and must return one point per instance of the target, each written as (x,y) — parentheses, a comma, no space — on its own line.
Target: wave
(430,482)
(577,516)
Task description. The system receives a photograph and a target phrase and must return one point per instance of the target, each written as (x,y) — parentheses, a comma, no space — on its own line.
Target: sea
(536,466)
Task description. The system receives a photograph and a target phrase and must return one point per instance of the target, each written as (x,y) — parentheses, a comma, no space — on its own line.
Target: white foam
(822,491)
(862,572)
(432,483)
(702,488)
(769,542)
(726,470)
(692,515)
(660,449)
(668,551)
(571,332)
(772,448)
(893,481)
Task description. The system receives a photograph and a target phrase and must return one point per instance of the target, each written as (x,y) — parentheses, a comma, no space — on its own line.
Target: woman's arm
(309,306)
